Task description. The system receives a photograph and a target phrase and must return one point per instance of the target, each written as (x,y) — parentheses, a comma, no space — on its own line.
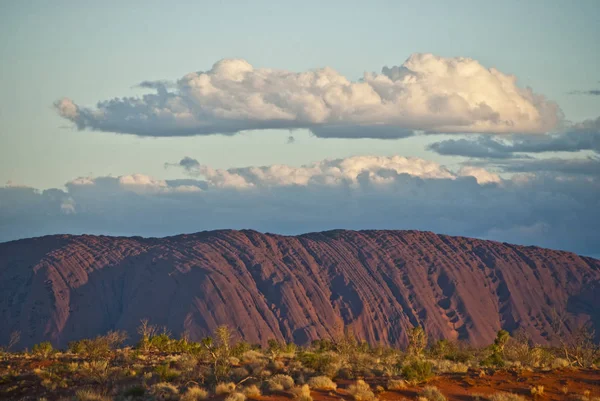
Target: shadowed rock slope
(299,288)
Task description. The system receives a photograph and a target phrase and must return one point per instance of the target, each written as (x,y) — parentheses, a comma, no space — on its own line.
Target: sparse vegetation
(160,367)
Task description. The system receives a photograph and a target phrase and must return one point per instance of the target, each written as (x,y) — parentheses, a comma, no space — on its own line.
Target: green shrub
(134,391)
(167,374)
(418,371)
(43,349)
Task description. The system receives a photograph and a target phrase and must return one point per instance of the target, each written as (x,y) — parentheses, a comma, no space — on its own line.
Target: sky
(155,118)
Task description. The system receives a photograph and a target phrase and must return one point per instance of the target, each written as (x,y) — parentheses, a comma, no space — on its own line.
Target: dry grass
(236,397)
(280,383)
(506,397)
(322,383)
(361,391)
(431,393)
(90,395)
(195,393)
(537,390)
(252,391)
(302,393)
(164,392)
(224,388)
(396,384)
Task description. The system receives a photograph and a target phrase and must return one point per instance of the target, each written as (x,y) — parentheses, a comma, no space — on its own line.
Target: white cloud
(376,169)
(482,175)
(541,208)
(427,93)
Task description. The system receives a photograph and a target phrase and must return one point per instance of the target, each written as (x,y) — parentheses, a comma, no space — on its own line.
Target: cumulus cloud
(425,93)
(348,171)
(546,209)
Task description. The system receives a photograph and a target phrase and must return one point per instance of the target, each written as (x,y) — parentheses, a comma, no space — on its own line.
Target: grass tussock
(322,383)
(361,391)
(431,393)
(396,384)
(252,391)
(236,397)
(505,397)
(224,388)
(194,393)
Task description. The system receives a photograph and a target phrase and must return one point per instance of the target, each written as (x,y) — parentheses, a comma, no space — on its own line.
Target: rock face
(300,288)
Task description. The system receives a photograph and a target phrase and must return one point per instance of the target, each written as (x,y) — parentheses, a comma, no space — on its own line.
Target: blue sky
(91,51)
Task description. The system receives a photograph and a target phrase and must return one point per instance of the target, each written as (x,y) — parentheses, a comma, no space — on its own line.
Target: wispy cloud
(581,136)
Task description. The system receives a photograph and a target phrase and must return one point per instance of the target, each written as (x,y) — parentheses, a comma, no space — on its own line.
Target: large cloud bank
(425,93)
(541,208)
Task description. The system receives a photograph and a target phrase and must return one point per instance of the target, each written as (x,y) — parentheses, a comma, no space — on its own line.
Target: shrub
(164,392)
(322,383)
(166,373)
(236,397)
(446,366)
(195,393)
(99,347)
(506,397)
(224,388)
(396,384)
(361,391)
(252,356)
(134,391)
(252,391)
(96,370)
(431,393)
(43,349)
(418,371)
(326,363)
(280,383)
(90,395)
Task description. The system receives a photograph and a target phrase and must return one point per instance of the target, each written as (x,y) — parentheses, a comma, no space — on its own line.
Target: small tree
(417,341)
(496,358)
(578,345)
(146,331)
(219,351)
